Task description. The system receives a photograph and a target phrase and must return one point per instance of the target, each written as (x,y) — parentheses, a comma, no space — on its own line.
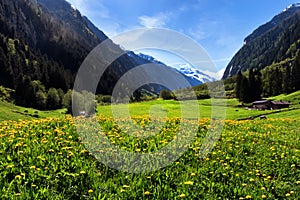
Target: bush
(166,95)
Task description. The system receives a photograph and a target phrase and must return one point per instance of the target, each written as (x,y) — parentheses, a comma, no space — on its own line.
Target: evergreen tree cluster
(249,88)
(283,77)
(32,75)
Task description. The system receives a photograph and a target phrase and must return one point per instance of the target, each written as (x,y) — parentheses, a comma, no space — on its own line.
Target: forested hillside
(273,42)
(41,48)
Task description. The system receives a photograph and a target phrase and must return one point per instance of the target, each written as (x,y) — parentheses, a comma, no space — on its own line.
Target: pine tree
(238,85)
(52,99)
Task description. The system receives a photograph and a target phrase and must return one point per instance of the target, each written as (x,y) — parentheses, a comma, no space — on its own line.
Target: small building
(262,105)
(270,105)
(279,105)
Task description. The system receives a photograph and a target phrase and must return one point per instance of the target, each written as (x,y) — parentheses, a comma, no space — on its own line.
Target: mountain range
(192,74)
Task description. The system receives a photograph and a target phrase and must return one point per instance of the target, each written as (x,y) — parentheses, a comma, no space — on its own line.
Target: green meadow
(46,158)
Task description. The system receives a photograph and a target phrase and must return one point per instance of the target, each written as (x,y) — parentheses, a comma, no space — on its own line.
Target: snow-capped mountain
(150,58)
(295,5)
(194,73)
(195,76)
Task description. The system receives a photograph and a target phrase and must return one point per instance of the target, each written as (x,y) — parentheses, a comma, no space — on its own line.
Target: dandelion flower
(17,177)
(248,197)
(147,193)
(90,191)
(9,166)
(182,195)
(189,183)
(263,196)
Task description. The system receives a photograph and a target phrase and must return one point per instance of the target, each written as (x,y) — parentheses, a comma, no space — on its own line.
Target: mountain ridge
(274,41)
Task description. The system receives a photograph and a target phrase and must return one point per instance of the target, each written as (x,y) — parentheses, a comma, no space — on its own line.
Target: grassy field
(46,158)
(9,111)
(172,108)
(160,107)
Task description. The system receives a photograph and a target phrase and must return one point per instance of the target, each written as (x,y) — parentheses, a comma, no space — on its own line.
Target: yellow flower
(126,186)
(17,176)
(32,167)
(248,197)
(287,194)
(293,165)
(251,180)
(90,191)
(193,174)
(182,195)
(147,193)
(82,172)
(189,183)
(9,166)
(263,196)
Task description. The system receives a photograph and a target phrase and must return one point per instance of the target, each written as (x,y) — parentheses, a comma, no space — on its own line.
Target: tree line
(278,78)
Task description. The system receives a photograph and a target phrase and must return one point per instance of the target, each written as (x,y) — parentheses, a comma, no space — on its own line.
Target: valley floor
(48,158)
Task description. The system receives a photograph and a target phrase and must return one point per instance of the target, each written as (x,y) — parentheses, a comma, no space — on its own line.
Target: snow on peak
(149,58)
(192,72)
(73,7)
(295,5)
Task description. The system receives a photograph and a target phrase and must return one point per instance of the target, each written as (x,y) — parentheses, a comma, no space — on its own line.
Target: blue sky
(219,26)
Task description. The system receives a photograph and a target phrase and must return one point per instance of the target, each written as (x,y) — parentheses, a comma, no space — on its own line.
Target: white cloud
(198,33)
(157,21)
